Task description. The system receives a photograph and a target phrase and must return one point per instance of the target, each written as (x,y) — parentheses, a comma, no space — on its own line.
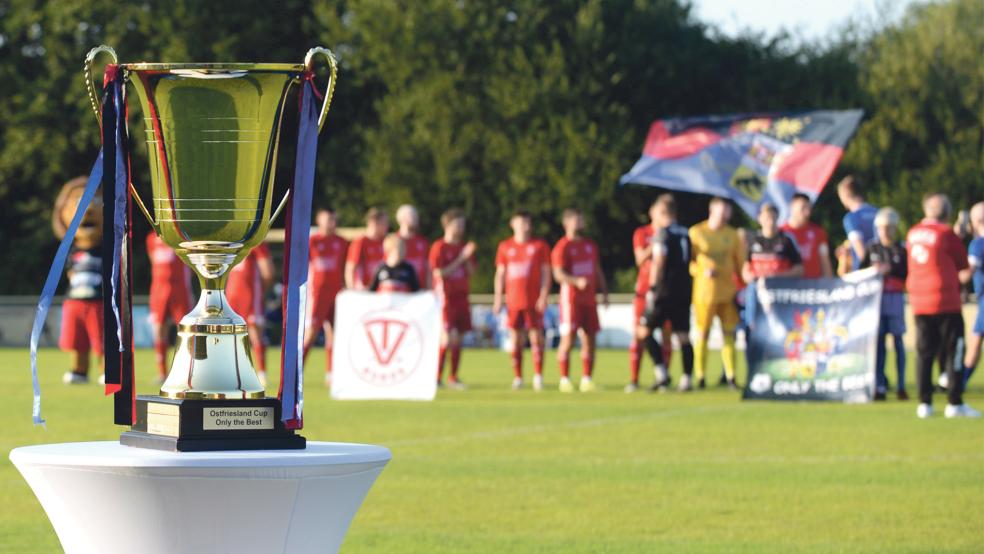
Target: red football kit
(936,255)
(452,289)
(244,289)
(367,255)
(523,262)
(578,308)
(170,282)
(641,238)
(416,255)
(808,239)
(326,273)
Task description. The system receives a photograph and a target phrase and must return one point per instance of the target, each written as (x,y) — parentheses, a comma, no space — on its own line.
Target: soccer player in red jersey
(248,283)
(811,239)
(326,252)
(522,274)
(170,295)
(936,256)
(365,253)
(416,245)
(577,267)
(452,262)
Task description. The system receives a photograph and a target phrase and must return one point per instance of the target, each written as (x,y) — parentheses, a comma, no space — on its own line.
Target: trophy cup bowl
(212,136)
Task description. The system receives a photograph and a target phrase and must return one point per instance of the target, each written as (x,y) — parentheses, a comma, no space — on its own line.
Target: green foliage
(925,81)
(492,106)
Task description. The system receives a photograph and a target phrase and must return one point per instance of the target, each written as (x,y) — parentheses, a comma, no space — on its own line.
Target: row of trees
(492,106)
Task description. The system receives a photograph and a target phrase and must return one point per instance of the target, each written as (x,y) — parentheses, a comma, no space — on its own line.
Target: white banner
(386,346)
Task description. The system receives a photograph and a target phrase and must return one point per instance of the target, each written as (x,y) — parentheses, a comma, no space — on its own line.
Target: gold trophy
(212,135)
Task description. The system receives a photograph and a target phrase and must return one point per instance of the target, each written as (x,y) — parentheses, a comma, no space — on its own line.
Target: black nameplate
(187,425)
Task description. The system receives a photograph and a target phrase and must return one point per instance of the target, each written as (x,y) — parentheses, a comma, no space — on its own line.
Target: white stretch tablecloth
(102,497)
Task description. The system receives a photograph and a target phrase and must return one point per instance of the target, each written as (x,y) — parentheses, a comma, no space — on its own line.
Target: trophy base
(193,425)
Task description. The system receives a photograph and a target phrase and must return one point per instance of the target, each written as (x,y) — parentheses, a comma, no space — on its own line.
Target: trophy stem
(213,356)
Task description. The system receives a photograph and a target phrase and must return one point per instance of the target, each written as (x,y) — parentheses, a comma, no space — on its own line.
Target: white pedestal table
(102,497)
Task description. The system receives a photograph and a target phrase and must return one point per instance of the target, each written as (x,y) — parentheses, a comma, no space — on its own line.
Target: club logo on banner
(396,345)
(814,339)
(386,346)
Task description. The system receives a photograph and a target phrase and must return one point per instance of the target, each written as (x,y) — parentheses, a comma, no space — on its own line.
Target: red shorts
(82,326)
(456,313)
(169,301)
(579,316)
(321,312)
(527,318)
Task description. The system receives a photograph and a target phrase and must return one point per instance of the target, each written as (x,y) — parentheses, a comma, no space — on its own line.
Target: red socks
(517,360)
(455,361)
(565,366)
(160,348)
(441,353)
(259,352)
(587,364)
(634,360)
(537,359)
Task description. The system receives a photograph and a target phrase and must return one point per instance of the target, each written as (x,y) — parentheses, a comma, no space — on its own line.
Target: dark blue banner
(748,158)
(814,339)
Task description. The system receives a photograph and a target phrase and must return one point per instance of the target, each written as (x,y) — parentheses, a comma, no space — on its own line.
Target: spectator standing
(859,222)
(811,239)
(887,254)
(975,274)
(935,258)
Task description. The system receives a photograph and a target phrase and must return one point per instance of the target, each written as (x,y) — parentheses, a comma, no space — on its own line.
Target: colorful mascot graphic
(812,343)
(82,311)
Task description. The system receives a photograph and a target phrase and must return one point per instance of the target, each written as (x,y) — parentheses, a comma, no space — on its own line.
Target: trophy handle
(280,208)
(333,72)
(143,210)
(89,58)
(333,68)
(94,100)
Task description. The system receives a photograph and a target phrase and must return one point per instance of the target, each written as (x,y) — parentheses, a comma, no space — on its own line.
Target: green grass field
(491,470)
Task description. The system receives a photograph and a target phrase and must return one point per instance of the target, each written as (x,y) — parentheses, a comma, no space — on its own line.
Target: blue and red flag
(748,158)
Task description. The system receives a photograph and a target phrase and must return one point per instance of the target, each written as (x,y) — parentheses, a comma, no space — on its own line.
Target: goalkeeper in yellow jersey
(717,256)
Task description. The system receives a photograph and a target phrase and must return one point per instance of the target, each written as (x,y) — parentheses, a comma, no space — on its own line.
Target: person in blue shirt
(859,222)
(975,273)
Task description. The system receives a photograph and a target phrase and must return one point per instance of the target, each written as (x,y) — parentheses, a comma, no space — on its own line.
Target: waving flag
(748,158)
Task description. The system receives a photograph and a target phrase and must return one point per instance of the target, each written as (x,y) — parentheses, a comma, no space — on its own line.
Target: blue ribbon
(54,277)
(120,204)
(298,229)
